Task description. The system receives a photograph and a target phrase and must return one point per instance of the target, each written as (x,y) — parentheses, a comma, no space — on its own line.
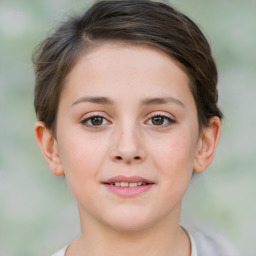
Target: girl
(126,102)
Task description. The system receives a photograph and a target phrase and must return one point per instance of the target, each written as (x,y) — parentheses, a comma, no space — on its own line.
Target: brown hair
(133,21)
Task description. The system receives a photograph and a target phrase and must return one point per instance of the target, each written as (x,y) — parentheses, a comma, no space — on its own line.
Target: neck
(164,238)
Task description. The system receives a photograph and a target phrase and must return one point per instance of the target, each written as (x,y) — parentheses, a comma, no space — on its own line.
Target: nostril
(119,158)
(137,158)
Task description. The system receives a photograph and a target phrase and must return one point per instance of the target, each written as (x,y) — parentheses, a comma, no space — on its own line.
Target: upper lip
(129,179)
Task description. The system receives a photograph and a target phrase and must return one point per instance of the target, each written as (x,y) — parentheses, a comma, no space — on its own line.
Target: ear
(49,147)
(207,144)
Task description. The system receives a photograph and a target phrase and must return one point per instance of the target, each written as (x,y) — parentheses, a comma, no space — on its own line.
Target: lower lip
(128,191)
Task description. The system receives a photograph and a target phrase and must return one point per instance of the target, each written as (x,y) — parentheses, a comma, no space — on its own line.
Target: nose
(127,146)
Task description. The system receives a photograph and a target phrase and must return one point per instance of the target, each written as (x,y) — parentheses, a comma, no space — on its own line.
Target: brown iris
(157,120)
(97,120)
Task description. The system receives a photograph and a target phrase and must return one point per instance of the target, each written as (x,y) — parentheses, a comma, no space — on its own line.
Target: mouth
(128,186)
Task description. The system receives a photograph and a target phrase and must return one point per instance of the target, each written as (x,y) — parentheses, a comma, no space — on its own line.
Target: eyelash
(167,120)
(90,118)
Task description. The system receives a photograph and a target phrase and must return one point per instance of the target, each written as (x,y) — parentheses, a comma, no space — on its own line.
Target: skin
(128,141)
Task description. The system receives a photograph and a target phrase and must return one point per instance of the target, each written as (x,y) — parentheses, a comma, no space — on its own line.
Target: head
(127,89)
(131,21)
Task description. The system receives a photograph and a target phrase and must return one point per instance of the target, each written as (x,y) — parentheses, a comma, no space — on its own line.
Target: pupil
(97,120)
(158,120)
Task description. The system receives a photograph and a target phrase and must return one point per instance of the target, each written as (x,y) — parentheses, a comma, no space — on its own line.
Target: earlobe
(49,148)
(207,144)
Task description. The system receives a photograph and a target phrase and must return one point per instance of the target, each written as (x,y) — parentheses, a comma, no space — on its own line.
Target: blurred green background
(38,214)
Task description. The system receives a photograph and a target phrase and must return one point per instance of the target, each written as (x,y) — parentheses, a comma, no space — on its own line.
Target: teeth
(128,184)
(124,184)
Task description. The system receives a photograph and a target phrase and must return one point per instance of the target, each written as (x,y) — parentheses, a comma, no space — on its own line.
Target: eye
(94,121)
(160,120)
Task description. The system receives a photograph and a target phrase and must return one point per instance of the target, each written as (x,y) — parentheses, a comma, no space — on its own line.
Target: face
(127,135)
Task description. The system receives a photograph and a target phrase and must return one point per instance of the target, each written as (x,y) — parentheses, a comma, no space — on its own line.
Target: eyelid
(95,113)
(169,117)
(160,113)
(91,115)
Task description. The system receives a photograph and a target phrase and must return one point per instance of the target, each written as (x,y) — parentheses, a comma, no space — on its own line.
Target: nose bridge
(127,143)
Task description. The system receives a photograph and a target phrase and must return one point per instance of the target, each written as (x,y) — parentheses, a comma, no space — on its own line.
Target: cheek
(81,160)
(175,152)
(78,151)
(174,159)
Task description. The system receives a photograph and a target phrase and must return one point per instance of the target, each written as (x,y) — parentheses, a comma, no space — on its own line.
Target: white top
(61,252)
(193,245)
(192,242)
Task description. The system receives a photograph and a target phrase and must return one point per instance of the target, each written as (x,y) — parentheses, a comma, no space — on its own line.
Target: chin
(130,226)
(129,221)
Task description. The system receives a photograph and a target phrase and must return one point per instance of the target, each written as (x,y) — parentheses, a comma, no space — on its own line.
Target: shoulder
(212,243)
(60,252)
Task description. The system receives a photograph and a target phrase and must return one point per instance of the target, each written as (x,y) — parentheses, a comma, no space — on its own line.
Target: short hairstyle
(132,21)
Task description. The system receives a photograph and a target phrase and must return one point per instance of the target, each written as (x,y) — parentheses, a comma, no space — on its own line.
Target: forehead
(110,69)
(128,52)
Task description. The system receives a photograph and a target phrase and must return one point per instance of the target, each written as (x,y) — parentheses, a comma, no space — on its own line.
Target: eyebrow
(160,101)
(96,100)
(147,101)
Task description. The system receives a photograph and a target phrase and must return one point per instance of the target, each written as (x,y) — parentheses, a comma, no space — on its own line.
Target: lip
(128,191)
(122,178)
